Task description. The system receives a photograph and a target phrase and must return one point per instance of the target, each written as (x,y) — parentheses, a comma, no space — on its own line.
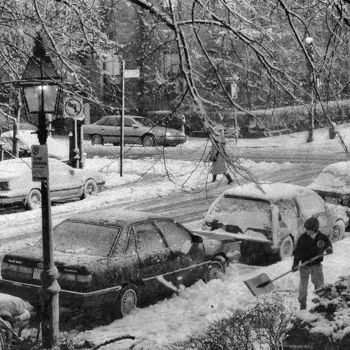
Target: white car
(333,184)
(17,186)
(273,215)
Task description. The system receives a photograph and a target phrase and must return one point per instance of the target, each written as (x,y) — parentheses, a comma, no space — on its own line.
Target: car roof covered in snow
(271,192)
(113,216)
(334,178)
(339,168)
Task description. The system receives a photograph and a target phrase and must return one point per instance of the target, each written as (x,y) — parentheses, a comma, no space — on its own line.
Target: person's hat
(312,224)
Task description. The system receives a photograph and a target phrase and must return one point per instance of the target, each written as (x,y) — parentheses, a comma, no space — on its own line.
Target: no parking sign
(40,168)
(73,108)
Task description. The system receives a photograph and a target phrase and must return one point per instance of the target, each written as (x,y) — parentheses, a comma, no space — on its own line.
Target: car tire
(286,248)
(97,140)
(33,200)
(148,141)
(90,188)
(127,300)
(214,270)
(338,231)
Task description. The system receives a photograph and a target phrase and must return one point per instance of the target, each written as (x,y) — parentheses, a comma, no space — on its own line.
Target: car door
(188,256)
(64,182)
(312,205)
(110,129)
(154,259)
(132,133)
(289,220)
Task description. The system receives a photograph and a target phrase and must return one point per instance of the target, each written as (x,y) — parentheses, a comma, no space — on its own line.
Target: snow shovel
(262,284)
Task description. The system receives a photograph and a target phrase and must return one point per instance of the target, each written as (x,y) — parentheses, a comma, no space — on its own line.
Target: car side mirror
(135,126)
(197,239)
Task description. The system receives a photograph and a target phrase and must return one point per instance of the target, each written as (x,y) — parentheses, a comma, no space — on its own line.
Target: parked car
(333,184)
(17,186)
(114,260)
(137,130)
(272,216)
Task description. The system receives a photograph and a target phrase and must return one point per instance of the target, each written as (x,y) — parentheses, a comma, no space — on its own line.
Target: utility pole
(122,119)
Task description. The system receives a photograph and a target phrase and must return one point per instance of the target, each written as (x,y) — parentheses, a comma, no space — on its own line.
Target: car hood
(342,190)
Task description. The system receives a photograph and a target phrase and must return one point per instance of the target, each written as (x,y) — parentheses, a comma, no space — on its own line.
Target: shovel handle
(301,265)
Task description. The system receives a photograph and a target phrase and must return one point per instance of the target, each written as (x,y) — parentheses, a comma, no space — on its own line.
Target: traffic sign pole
(122,121)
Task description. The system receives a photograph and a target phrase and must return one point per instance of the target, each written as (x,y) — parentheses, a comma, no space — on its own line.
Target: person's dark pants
(316,278)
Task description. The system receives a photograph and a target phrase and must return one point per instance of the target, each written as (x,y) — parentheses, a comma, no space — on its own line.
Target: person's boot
(229,178)
(214,178)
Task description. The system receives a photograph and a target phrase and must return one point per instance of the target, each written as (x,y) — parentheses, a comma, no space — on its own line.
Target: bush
(263,324)
(327,325)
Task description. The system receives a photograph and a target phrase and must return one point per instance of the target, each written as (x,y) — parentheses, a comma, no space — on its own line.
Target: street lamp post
(40,91)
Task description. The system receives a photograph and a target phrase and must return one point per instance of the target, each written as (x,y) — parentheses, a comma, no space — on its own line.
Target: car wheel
(338,231)
(97,140)
(90,188)
(33,200)
(286,248)
(127,300)
(148,141)
(214,271)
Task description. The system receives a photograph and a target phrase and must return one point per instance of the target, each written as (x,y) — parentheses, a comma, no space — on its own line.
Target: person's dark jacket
(307,248)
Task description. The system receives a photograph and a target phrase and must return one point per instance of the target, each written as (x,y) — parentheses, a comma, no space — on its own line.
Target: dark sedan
(115,260)
(137,130)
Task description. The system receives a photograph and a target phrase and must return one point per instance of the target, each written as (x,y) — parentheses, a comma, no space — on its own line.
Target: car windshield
(84,239)
(102,121)
(145,121)
(14,167)
(243,212)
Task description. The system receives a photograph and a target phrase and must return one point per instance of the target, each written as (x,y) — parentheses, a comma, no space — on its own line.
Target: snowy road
(144,195)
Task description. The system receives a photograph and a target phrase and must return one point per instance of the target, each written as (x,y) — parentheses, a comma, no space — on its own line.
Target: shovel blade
(260,284)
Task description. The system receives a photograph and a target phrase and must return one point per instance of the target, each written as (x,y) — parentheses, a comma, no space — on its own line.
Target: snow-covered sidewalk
(181,316)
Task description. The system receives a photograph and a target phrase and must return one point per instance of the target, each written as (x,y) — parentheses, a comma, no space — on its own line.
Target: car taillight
(4,186)
(16,272)
(71,276)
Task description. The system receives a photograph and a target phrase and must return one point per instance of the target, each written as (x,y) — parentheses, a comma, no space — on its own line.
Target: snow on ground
(178,317)
(141,180)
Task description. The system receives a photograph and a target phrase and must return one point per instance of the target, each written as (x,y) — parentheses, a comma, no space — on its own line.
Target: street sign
(40,168)
(73,108)
(131,73)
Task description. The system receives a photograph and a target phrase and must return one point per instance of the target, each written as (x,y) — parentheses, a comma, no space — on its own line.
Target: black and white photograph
(174,174)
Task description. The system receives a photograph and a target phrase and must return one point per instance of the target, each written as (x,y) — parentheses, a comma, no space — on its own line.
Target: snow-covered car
(115,260)
(58,149)
(137,130)
(272,215)
(66,183)
(333,184)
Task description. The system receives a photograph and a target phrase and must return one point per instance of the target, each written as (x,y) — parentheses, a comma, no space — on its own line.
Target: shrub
(263,324)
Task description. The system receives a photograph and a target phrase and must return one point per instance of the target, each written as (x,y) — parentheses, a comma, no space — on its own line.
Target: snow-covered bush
(327,324)
(264,324)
